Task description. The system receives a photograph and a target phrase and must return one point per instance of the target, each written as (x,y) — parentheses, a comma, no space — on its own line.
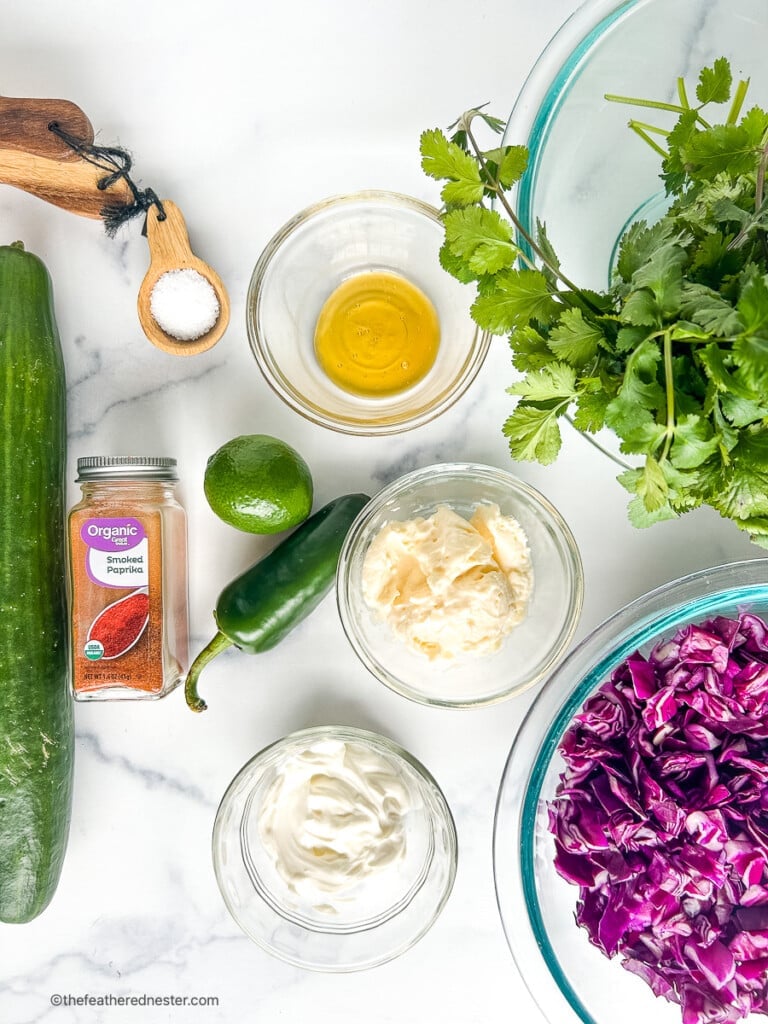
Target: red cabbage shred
(661,818)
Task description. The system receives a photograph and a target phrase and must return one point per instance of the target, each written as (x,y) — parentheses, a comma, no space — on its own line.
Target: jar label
(117,552)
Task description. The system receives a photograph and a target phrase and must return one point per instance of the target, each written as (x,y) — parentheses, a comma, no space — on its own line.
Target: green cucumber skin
(36,721)
(257,609)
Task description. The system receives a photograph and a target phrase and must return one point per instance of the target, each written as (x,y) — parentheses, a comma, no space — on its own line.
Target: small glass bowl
(308,259)
(532,648)
(384,915)
(569,978)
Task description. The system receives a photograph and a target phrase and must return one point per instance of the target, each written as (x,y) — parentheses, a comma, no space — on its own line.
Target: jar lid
(125,467)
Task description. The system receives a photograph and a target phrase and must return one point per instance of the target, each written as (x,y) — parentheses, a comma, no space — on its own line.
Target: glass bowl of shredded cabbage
(631,833)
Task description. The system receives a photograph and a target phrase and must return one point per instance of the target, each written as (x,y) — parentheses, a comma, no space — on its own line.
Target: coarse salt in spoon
(183,305)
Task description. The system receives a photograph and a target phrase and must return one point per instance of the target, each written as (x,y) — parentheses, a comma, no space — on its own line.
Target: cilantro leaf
(648,483)
(744,491)
(693,443)
(752,355)
(534,433)
(639,242)
(455,265)
(554,381)
(640,393)
(641,518)
(662,273)
(509,163)
(575,339)
(715,83)
(752,304)
(529,349)
(481,238)
(709,310)
(641,309)
(443,159)
(519,297)
(590,411)
(724,147)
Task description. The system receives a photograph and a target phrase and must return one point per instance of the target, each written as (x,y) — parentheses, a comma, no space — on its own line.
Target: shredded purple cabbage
(661,818)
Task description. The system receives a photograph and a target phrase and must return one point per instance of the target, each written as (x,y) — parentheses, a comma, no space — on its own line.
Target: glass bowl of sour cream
(334,849)
(353,321)
(459,585)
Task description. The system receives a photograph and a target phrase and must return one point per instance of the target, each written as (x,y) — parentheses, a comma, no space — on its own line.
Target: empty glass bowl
(533,647)
(570,979)
(384,914)
(304,264)
(589,175)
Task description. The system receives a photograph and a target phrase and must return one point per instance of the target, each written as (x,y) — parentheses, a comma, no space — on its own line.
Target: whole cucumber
(258,608)
(36,724)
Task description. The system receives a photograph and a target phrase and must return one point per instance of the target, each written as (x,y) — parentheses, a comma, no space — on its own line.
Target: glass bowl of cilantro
(590,173)
(617,234)
(631,832)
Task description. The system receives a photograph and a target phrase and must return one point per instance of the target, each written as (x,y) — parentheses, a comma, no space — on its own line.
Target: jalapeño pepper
(258,608)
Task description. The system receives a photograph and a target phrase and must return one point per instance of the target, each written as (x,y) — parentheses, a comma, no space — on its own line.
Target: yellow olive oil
(377,334)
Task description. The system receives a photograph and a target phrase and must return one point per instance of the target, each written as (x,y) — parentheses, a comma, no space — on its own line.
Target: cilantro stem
(650,128)
(642,130)
(760,179)
(466,119)
(669,384)
(675,108)
(738,101)
(633,101)
(683,95)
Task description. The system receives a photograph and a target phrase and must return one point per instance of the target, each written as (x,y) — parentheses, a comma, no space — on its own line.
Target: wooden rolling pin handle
(25,126)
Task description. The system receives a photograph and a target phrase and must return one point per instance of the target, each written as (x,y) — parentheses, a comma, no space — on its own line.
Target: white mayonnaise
(333,816)
(448,586)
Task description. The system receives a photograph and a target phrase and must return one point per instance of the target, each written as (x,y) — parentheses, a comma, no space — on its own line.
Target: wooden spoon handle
(70,184)
(168,238)
(24,126)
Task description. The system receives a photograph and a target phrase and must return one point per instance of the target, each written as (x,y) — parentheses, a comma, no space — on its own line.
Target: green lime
(258,484)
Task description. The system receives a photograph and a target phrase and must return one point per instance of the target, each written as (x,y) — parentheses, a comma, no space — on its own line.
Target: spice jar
(128,574)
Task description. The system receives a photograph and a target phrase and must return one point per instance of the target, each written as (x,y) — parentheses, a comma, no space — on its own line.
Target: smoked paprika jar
(128,576)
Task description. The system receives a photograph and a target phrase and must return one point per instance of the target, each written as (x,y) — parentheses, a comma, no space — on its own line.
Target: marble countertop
(244,113)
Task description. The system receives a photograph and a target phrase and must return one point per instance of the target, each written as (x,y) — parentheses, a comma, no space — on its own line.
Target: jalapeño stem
(219,643)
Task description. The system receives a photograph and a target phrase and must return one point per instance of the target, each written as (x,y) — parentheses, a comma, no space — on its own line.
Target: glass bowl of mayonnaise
(334,849)
(459,585)
(353,321)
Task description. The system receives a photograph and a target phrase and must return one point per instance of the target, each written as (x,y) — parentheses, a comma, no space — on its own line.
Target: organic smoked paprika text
(121,625)
(127,540)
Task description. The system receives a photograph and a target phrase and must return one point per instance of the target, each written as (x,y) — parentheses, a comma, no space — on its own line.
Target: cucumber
(262,605)
(36,722)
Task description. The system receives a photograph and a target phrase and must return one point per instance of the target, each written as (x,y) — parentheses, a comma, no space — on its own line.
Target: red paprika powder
(121,624)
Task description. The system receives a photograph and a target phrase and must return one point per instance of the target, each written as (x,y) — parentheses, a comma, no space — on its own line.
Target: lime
(258,484)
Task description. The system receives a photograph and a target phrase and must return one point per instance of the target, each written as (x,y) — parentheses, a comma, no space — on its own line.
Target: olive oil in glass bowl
(338,243)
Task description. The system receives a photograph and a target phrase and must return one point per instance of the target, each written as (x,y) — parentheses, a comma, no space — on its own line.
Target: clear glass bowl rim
(653,615)
(428,474)
(476,352)
(376,740)
(548,79)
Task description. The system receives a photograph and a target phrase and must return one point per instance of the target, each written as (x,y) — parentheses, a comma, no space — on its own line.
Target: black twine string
(117,163)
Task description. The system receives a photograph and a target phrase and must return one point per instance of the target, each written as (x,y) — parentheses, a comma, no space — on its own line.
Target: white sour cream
(333,816)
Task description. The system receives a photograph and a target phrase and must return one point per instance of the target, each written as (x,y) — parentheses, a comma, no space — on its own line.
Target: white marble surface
(243,113)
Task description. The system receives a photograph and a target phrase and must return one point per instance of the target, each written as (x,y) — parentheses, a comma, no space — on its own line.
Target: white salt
(184,304)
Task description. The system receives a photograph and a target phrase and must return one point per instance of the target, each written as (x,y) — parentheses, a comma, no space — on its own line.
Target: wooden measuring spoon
(24,125)
(169,249)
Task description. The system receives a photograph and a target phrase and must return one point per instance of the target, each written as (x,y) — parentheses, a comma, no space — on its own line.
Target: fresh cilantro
(673,356)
